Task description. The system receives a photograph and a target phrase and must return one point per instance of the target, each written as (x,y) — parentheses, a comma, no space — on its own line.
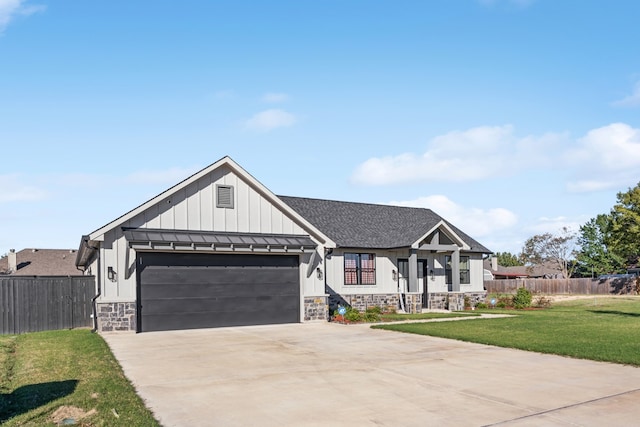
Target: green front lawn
(72,372)
(599,328)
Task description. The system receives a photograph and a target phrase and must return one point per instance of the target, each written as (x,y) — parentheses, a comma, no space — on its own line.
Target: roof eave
(318,234)
(86,252)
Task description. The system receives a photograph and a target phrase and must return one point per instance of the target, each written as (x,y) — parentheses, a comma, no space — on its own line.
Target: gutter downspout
(94,306)
(327,252)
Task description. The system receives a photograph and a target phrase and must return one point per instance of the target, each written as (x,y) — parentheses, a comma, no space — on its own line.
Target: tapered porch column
(455,270)
(413,270)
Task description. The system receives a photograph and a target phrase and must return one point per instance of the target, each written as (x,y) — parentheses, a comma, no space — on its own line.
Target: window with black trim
(359,269)
(465,277)
(224,196)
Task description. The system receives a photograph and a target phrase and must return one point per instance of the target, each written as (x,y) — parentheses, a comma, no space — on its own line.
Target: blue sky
(507,117)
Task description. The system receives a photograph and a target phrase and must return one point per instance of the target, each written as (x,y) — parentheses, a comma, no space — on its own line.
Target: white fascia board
(448,230)
(149,203)
(98,234)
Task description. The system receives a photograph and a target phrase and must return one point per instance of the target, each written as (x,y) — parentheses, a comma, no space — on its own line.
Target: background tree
(557,250)
(507,259)
(625,225)
(595,258)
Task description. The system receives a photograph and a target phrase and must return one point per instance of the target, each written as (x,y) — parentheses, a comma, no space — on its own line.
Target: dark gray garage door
(187,291)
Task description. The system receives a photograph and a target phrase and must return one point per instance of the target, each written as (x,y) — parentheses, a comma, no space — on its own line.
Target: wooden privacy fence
(619,286)
(39,303)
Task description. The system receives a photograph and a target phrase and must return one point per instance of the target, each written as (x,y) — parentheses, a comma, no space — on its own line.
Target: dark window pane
(465,276)
(359,269)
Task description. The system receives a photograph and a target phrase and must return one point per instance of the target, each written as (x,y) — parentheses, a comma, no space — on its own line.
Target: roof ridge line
(358,203)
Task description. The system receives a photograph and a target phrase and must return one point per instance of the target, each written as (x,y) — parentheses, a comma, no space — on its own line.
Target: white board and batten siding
(476,273)
(194,208)
(476,270)
(387,262)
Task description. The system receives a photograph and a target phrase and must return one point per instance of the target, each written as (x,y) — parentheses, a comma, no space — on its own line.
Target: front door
(403,275)
(403,278)
(423,280)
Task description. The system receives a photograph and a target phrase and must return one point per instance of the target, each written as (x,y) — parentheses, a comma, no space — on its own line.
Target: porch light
(394,275)
(432,274)
(319,273)
(111,274)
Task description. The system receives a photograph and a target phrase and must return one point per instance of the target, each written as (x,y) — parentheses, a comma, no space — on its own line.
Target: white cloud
(270,119)
(274,98)
(13,189)
(10,8)
(458,156)
(474,221)
(31,9)
(606,157)
(555,225)
(632,100)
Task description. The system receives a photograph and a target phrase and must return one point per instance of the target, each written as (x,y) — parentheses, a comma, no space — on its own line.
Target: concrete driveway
(327,374)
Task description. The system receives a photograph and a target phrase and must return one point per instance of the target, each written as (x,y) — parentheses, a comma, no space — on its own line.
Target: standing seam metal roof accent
(145,235)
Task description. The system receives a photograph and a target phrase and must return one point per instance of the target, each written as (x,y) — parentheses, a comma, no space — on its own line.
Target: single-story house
(220,249)
(40,262)
(545,271)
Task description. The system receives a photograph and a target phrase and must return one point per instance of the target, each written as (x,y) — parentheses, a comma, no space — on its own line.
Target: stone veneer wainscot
(454,301)
(316,308)
(387,302)
(116,316)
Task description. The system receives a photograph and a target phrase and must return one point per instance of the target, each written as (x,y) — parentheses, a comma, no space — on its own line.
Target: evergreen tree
(625,225)
(595,258)
(507,259)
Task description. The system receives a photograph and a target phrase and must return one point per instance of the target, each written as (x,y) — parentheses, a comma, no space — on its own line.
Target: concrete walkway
(326,374)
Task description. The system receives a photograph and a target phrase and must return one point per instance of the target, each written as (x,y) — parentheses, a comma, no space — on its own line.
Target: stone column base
(116,316)
(413,303)
(454,301)
(316,309)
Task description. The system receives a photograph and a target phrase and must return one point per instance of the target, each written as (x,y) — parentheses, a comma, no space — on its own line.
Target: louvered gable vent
(224,196)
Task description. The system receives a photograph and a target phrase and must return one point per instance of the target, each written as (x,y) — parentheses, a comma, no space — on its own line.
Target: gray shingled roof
(364,225)
(43,262)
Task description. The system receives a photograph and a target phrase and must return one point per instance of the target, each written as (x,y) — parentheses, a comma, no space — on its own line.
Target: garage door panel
(224,260)
(202,275)
(185,291)
(248,316)
(217,304)
(169,291)
(174,321)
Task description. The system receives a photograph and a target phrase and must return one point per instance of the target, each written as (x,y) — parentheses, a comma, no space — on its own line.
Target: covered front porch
(439,272)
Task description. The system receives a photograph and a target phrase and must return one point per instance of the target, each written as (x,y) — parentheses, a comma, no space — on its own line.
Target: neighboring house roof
(546,271)
(365,225)
(509,274)
(42,262)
